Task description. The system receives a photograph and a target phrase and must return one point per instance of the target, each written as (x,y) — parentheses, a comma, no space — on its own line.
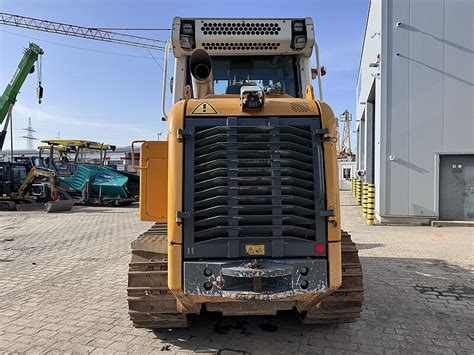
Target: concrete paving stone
(27,330)
(19,348)
(81,349)
(11,336)
(417,282)
(99,343)
(52,326)
(81,339)
(331,351)
(140,349)
(362,340)
(308,349)
(99,351)
(37,350)
(364,348)
(69,329)
(4,344)
(119,346)
(62,336)
(35,340)
(123,337)
(44,333)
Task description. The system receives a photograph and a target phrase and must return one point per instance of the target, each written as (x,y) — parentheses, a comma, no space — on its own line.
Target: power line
(158,64)
(77,47)
(155,59)
(132,29)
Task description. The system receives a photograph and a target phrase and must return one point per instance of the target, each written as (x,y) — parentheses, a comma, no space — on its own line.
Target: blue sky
(114,97)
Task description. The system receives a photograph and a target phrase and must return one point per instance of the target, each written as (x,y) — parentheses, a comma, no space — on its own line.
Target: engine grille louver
(248,181)
(255,181)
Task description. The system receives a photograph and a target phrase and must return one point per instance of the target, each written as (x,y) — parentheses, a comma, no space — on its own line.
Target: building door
(346,173)
(456,187)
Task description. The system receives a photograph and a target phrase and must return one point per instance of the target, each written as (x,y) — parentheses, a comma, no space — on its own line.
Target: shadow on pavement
(361,246)
(408,303)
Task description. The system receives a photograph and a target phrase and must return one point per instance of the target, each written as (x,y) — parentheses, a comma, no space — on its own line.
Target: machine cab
(273,54)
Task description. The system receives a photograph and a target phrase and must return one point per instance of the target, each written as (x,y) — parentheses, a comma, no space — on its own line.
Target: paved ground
(63,282)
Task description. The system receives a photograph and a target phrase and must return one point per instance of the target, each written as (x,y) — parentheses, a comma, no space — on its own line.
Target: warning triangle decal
(204,109)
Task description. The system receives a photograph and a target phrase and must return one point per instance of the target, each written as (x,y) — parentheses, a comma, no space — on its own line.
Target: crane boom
(8,99)
(79,31)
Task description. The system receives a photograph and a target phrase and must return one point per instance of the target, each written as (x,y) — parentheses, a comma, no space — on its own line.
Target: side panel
(175,196)
(153,181)
(332,198)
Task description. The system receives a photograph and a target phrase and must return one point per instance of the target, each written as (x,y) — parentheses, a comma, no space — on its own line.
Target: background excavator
(244,192)
(23,185)
(27,189)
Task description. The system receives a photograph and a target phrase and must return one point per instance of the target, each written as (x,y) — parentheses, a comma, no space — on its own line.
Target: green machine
(8,99)
(88,178)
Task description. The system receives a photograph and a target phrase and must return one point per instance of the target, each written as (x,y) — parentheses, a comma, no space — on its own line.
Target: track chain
(345,304)
(151,304)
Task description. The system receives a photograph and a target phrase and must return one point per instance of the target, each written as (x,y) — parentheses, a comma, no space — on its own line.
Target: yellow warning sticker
(204,109)
(252,249)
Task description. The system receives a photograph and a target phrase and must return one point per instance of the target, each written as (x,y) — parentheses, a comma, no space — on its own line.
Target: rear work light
(298,34)
(187,40)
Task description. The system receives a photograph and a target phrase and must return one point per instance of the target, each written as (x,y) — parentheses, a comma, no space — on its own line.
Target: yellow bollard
(357,191)
(370,208)
(364,200)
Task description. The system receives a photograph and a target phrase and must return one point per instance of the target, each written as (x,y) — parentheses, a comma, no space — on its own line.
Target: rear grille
(255,181)
(238,28)
(300,107)
(230,46)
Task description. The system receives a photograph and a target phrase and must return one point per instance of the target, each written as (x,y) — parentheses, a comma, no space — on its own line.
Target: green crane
(8,99)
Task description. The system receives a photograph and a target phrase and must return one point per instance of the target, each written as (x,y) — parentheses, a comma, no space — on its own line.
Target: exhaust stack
(200,65)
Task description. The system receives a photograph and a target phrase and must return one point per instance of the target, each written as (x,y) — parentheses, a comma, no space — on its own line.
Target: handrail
(320,83)
(133,152)
(163,92)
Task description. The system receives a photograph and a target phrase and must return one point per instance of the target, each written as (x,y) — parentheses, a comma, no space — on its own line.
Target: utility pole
(159,135)
(29,135)
(345,149)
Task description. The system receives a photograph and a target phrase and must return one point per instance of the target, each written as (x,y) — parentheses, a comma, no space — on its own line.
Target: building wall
(371,81)
(426,96)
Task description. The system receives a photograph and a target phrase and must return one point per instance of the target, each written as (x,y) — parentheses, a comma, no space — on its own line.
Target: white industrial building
(415,109)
